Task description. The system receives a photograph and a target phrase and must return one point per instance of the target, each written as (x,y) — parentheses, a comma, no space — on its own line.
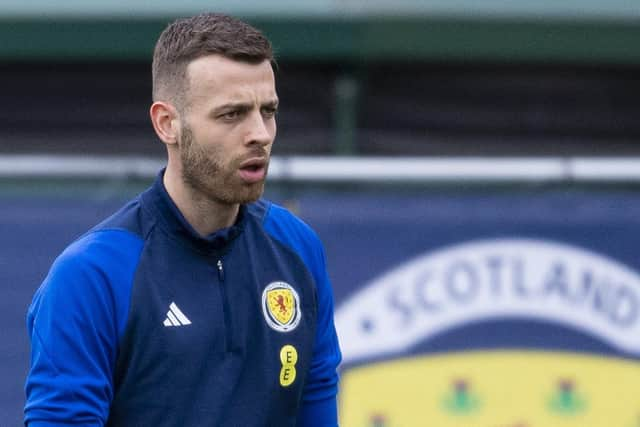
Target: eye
(269,111)
(230,115)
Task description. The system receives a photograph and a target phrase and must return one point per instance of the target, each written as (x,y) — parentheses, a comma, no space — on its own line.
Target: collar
(158,202)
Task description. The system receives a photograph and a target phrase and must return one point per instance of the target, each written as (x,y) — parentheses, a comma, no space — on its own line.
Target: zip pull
(220,270)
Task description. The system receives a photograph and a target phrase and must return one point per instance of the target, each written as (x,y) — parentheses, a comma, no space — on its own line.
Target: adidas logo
(175,317)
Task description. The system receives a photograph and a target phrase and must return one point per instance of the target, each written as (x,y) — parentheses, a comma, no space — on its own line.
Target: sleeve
(319,400)
(74,323)
(320,394)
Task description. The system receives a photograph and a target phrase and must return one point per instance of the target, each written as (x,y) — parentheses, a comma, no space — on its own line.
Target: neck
(206,216)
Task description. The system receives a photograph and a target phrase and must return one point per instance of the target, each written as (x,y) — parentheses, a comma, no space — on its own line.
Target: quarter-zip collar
(157,200)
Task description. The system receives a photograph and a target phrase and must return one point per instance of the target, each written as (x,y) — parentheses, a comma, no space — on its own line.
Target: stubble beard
(204,172)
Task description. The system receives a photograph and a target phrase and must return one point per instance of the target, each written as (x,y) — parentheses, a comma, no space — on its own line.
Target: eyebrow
(272,103)
(243,106)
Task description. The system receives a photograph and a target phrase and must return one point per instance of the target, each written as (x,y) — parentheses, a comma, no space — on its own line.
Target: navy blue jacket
(142,322)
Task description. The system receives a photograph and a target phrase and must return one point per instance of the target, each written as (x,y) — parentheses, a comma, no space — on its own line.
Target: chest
(239,319)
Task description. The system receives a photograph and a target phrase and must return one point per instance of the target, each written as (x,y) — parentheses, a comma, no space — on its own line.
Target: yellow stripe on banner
(493,389)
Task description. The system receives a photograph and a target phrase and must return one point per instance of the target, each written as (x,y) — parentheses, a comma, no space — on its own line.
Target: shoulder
(278,220)
(101,247)
(285,226)
(291,231)
(130,217)
(114,241)
(92,277)
(98,257)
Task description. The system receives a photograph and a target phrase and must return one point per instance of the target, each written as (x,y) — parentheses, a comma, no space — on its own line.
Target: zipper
(220,271)
(225,306)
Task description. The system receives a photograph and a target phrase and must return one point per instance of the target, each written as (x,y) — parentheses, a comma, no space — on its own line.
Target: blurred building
(355,77)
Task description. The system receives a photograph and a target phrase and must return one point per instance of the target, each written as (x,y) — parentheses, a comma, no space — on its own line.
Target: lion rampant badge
(281,306)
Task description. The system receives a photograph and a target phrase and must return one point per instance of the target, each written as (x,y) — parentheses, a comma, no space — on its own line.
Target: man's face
(227,128)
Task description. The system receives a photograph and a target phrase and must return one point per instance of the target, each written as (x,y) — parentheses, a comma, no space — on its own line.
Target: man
(196,304)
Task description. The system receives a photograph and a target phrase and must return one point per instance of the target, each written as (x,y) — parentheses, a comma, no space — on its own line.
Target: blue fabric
(319,400)
(103,353)
(75,322)
(319,413)
(53,424)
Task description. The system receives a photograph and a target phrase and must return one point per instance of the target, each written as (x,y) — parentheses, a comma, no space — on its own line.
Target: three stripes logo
(175,317)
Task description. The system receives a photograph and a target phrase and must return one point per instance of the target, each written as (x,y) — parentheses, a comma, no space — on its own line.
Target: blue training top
(142,322)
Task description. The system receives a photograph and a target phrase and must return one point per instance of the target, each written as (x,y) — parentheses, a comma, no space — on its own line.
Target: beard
(205,171)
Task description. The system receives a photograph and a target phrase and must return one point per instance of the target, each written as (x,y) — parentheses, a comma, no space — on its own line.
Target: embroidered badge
(281,306)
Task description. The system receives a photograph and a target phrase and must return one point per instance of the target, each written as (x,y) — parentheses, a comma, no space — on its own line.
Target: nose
(260,130)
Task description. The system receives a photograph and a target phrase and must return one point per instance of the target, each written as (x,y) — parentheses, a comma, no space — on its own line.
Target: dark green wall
(333,39)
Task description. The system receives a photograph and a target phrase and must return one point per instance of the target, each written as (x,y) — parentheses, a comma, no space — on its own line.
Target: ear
(166,121)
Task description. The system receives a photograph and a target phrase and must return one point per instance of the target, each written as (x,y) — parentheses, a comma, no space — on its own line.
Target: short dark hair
(206,34)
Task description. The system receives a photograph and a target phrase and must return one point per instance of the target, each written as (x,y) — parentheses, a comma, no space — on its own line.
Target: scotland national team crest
(281,306)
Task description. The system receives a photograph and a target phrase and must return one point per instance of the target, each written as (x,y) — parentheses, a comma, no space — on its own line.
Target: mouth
(253,170)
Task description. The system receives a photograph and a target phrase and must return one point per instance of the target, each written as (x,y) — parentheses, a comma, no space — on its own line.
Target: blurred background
(472,167)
